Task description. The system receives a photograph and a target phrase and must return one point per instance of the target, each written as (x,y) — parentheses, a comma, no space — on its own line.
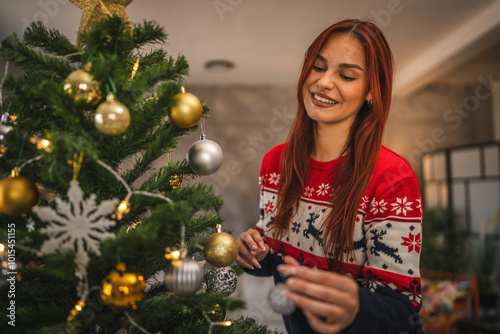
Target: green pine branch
(13,49)
(49,40)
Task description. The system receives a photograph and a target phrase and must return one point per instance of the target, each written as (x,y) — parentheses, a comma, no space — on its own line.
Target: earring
(369,103)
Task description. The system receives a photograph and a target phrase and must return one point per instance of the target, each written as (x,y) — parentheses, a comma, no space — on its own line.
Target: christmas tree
(81,242)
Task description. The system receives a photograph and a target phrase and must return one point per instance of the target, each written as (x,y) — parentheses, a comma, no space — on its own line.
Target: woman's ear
(369,97)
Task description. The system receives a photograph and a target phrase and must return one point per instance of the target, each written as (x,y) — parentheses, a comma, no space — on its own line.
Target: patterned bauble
(217,313)
(187,110)
(184,276)
(82,88)
(18,194)
(112,117)
(278,301)
(221,280)
(123,289)
(221,249)
(204,156)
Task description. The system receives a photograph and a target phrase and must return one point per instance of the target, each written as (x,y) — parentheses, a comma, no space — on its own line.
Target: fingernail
(263,246)
(291,282)
(280,267)
(254,247)
(252,268)
(258,266)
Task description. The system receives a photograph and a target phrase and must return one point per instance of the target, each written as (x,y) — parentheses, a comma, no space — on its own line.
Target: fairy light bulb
(175,256)
(123,209)
(135,68)
(2,248)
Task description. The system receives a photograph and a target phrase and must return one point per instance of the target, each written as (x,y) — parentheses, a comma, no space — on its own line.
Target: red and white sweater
(387,238)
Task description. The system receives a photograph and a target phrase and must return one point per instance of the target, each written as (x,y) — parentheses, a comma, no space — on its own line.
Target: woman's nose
(326,82)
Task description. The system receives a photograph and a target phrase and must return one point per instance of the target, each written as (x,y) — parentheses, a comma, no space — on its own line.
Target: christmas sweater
(387,240)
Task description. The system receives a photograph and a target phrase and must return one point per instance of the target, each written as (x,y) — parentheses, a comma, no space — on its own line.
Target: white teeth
(321,99)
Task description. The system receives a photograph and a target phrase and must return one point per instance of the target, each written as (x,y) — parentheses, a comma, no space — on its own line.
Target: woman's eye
(319,69)
(345,77)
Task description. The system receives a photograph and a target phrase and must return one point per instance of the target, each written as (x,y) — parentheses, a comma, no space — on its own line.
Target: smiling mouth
(324,100)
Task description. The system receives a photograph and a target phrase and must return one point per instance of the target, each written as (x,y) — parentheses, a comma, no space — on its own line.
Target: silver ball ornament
(278,301)
(204,157)
(221,280)
(184,276)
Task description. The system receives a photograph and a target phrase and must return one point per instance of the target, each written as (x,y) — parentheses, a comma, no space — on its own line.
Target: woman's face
(338,84)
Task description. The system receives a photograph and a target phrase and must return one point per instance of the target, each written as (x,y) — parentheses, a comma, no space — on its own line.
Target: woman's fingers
(257,239)
(337,281)
(246,256)
(291,261)
(331,300)
(253,241)
(242,262)
(318,307)
(314,290)
(251,249)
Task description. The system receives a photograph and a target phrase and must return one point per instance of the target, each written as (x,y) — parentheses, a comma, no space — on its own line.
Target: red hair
(361,148)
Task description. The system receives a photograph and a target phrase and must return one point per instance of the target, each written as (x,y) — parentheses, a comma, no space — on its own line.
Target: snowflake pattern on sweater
(387,232)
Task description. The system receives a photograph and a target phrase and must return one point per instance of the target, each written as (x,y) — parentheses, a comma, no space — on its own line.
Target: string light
(42,144)
(226,323)
(123,209)
(175,256)
(135,68)
(75,310)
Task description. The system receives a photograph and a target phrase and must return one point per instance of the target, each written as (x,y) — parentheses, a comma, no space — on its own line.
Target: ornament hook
(202,127)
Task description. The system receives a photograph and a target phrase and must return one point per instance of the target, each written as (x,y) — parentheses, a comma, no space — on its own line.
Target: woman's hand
(251,249)
(329,301)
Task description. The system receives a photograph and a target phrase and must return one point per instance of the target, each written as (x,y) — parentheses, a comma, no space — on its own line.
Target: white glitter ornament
(278,301)
(79,224)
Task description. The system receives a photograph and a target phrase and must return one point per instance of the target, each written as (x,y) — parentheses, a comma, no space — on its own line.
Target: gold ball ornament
(82,88)
(18,194)
(112,117)
(187,110)
(123,289)
(217,313)
(221,248)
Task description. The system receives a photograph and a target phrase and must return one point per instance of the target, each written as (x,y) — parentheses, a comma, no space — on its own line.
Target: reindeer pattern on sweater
(387,234)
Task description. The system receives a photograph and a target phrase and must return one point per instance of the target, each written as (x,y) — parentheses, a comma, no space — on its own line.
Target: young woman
(334,198)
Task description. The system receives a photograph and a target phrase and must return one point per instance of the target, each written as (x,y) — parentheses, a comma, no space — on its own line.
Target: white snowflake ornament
(79,224)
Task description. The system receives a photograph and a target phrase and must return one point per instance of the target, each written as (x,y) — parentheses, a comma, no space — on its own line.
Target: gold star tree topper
(95,10)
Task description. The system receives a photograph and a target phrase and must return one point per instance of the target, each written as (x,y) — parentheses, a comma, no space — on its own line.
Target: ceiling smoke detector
(219,65)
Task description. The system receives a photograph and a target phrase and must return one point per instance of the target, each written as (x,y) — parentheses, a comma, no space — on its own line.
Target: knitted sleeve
(391,297)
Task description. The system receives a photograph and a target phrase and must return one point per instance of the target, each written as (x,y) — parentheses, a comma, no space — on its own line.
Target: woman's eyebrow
(341,65)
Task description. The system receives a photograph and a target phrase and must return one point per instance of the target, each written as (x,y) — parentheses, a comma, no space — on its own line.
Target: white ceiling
(266,39)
